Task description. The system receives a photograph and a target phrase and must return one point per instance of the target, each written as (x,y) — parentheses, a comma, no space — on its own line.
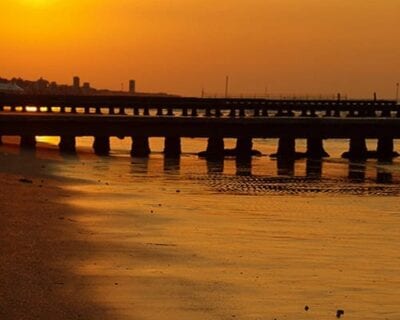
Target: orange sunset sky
(180,46)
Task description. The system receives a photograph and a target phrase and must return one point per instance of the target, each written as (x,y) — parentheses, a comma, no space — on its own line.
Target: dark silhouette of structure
(76,83)
(141,117)
(45,87)
(132,86)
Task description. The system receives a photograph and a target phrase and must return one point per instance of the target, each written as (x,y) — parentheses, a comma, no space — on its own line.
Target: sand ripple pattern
(261,185)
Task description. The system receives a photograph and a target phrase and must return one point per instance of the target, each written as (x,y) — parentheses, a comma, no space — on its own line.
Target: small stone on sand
(339,313)
(23,180)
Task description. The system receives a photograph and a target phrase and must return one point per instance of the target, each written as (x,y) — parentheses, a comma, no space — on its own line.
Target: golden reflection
(37,2)
(48,140)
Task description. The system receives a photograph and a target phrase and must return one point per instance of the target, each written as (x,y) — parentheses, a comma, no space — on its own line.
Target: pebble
(23,180)
(339,313)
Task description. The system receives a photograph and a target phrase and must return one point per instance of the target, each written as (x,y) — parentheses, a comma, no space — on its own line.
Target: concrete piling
(140,147)
(244,147)
(215,148)
(101,145)
(286,148)
(358,149)
(315,148)
(172,147)
(67,144)
(28,142)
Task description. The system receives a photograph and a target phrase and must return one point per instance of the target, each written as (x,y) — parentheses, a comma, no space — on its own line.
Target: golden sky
(180,46)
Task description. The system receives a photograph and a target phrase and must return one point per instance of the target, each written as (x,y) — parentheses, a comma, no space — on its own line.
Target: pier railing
(197,107)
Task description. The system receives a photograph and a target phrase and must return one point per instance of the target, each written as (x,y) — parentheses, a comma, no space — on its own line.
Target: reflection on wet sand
(383,175)
(139,165)
(285,167)
(314,169)
(172,165)
(359,178)
(243,167)
(357,171)
(215,166)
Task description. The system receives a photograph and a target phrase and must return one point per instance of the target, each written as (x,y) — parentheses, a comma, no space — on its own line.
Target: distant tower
(76,83)
(132,86)
(86,88)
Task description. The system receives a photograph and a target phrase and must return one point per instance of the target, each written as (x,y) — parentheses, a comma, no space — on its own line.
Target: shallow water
(191,239)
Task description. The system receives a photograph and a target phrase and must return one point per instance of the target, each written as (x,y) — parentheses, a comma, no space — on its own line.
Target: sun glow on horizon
(181,46)
(38,2)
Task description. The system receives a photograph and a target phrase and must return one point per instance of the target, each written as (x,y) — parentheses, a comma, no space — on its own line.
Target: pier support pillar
(315,148)
(286,148)
(140,147)
(385,149)
(358,149)
(172,147)
(215,148)
(28,142)
(67,144)
(101,145)
(1,140)
(244,147)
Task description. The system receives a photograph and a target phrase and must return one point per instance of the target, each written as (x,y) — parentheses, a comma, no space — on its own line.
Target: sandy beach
(40,242)
(166,247)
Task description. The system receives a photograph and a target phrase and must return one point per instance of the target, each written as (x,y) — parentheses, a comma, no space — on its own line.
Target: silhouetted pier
(174,118)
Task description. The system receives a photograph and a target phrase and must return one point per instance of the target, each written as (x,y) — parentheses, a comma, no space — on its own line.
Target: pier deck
(216,119)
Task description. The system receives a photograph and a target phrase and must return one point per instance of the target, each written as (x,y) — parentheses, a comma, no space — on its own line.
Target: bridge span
(173,118)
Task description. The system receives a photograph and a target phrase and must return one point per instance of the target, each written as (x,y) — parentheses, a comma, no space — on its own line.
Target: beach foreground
(78,250)
(39,247)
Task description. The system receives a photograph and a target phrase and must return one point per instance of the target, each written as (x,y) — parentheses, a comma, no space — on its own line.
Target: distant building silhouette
(86,88)
(76,82)
(43,86)
(10,88)
(132,86)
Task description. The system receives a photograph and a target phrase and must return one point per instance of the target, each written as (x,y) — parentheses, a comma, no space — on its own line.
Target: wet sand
(224,263)
(40,243)
(172,248)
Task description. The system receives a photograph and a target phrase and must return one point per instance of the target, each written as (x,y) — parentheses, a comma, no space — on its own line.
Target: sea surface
(233,240)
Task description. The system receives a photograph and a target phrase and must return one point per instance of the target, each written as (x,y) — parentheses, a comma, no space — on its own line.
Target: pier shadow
(215,166)
(69,156)
(139,165)
(357,171)
(285,166)
(314,169)
(383,175)
(172,165)
(243,166)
